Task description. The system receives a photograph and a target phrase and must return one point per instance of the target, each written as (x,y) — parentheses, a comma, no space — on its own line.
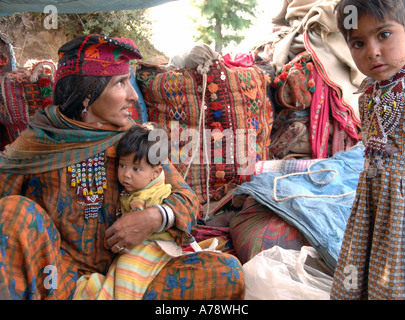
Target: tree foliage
(223,20)
(132,24)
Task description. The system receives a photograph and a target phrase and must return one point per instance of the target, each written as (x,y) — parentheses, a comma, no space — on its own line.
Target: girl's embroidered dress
(371,263)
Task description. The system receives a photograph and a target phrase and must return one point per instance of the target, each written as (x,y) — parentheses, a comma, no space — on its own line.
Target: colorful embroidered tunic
(47,242)
(371,261)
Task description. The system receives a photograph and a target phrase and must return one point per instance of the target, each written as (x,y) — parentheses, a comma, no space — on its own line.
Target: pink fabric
(324,101)
(241,60)
(319,119)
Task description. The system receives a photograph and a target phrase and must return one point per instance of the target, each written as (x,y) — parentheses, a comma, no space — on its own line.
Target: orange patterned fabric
(195,281)
(51,230)
(47,272)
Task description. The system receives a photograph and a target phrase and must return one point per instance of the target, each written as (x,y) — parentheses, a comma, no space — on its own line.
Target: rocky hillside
(31,40)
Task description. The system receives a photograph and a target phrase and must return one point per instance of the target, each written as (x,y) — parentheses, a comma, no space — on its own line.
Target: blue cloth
(322,220)
(141,101)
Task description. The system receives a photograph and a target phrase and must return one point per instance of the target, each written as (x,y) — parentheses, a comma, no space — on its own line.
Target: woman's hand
(132,228)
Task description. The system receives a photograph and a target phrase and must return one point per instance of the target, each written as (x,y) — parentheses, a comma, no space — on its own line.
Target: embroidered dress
(371,261)
(46,240)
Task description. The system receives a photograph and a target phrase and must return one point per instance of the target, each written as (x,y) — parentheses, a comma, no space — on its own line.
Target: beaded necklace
(381,116)
(89,179)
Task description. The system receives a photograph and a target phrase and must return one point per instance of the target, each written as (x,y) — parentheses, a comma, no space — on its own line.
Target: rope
(309,173)
(41,67)
(203,70)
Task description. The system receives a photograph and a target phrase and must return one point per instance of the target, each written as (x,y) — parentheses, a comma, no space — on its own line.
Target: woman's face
(114,103)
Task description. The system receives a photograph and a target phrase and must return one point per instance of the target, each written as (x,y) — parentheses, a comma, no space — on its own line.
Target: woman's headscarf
(52,140)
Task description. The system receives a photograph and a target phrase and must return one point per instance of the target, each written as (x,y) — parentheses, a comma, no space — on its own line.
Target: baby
(140,172)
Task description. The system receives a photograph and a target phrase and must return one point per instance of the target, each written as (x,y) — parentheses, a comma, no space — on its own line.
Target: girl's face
(378,47)
(135,176)
(113,105)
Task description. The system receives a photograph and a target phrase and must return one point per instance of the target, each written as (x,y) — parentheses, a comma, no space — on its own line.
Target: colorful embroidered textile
(22,93)
(382,103)
(371,260)
(300,85)
(95,55)
(236,113)
(294,82)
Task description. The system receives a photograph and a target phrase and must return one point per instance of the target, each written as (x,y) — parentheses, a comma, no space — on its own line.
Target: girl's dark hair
(71,91)
(137,140)
(379,9)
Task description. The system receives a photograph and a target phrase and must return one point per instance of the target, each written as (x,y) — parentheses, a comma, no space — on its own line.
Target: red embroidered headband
(96,55)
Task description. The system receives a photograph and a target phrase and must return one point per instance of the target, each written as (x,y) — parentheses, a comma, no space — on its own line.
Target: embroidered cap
(96,55)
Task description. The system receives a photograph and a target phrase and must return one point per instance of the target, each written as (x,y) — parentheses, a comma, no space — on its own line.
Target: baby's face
(135,176)
(378,47)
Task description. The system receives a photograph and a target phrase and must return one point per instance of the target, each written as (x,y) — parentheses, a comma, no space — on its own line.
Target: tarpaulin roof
(74,6)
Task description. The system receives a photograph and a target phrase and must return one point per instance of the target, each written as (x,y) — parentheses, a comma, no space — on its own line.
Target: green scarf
(53,141)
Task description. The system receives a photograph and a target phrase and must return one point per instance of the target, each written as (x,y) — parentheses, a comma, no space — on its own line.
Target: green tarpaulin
(74,6)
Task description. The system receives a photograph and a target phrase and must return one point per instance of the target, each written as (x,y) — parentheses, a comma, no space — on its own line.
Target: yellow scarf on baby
(154,193)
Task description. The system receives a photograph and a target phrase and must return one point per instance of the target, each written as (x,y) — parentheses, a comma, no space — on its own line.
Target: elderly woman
(59,207)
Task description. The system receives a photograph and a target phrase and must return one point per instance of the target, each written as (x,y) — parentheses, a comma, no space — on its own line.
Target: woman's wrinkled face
(113,105)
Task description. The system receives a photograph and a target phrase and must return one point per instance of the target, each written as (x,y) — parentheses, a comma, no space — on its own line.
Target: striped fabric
(128,277)
(256,228)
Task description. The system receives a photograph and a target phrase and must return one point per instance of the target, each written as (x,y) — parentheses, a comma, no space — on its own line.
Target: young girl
(371,261)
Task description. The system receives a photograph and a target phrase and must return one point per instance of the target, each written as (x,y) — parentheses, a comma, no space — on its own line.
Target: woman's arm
(184,204)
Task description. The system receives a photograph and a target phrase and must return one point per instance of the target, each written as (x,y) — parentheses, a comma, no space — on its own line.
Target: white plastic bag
(280,274)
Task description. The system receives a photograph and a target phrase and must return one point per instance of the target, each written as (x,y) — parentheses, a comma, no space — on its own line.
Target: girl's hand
(132,228)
